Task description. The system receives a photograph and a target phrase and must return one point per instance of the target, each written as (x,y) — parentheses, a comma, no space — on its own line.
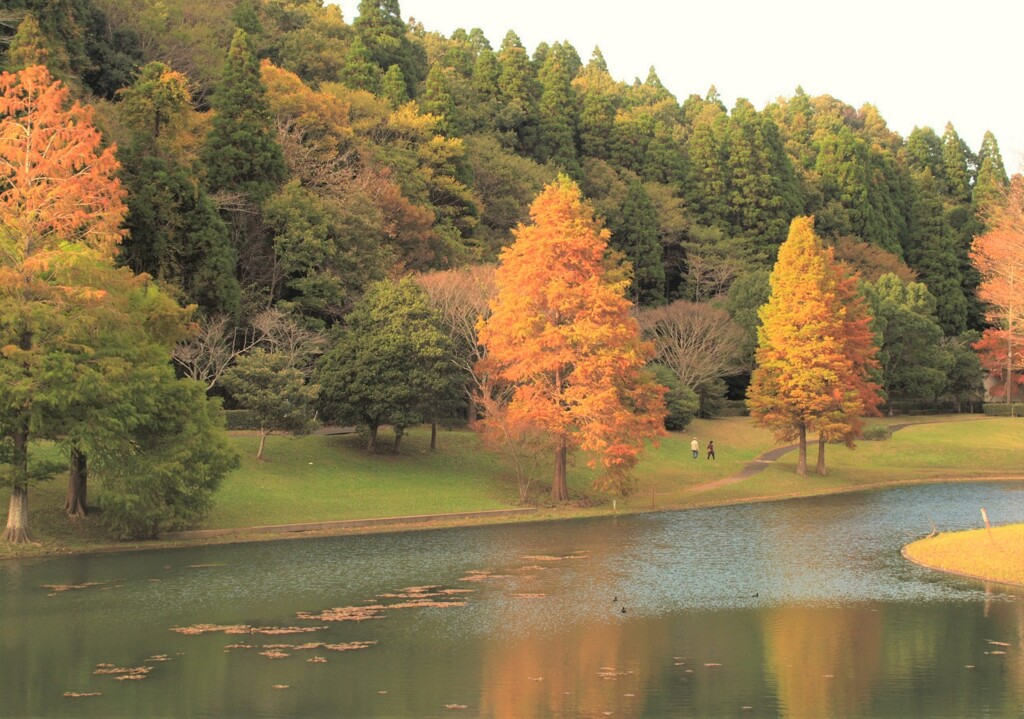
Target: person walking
(695,448)
(711,449)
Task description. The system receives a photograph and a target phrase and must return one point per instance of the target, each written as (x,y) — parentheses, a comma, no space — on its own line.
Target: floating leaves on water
(242,629)
(529,595)
(373,611)
(531,568)
(994,643)
(317,660)
(123,673)
(612,673)
(159,658)
(382,691)
(482,575)
(78,695)
(280,686)
(712,664)
(57,588)
(205,566)
(553,558)
(454,706)
(968,666)
(996,652)
(536,679)
(274,654)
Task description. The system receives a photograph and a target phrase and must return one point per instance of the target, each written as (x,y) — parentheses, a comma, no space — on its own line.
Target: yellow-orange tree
(814,354)
(61,209)
(999,257)
(561,333)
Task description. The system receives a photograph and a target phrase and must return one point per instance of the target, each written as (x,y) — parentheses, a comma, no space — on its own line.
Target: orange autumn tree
(815,352)
(61,210)
(561,335)
(999,257)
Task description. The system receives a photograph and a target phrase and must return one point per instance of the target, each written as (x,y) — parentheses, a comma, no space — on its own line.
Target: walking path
(766,458)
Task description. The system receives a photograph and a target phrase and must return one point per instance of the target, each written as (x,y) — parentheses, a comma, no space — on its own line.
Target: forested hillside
(361,221)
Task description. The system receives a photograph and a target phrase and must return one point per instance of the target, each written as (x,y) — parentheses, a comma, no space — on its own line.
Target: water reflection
(796,609)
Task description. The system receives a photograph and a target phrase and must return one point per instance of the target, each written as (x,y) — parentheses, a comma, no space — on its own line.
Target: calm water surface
(797,609)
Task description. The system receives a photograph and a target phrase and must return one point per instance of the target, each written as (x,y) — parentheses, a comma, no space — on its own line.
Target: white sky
(921,63)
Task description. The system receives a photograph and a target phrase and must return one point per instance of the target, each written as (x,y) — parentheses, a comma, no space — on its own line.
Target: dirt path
(763,460)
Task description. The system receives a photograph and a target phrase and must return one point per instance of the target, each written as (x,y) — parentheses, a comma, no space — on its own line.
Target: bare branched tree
(461,298)
(217,343)
(699,342)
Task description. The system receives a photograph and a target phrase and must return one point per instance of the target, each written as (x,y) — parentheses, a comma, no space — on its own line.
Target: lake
(802,608)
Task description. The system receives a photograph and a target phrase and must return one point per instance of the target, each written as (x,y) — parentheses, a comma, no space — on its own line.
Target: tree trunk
(17,513)
(78,474)
(471,414)
(399,432)
(264,433)
(801,459)
(371,445)
(820,469)
(433,436)
(559,487)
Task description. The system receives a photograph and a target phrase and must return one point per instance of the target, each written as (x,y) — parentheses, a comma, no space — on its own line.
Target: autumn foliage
(815,351)
(61,209)
(561,334)
(999,258)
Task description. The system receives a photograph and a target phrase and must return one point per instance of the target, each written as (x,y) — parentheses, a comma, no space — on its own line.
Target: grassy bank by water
(324,478)
(997,555)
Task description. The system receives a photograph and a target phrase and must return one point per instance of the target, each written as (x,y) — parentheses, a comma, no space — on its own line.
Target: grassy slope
(999,557)
(344,482)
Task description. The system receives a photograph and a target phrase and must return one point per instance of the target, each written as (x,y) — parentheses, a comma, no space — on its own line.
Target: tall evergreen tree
(956,165)
(381,28)
(556,131)
(597,94)
(519,93)
(636,237)
(931,250)
(360,72)
(393,87)
(992,181)
(241,153)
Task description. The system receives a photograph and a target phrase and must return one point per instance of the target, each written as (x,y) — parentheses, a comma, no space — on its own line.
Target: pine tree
(436,99)
(393,87)
(380,27)
(598,98)
(241,153)
(956,165)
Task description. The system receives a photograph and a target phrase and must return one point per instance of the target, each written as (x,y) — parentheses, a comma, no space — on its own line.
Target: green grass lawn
(997,555)
(323,478)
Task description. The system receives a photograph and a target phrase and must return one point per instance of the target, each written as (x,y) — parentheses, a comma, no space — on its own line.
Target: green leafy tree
(277,393)
(907,333)
(389,364)
(241,153)
(598,99)
(183,455)
(681,402)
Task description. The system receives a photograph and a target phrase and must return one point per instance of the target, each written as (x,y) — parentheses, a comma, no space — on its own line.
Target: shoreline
(387,525)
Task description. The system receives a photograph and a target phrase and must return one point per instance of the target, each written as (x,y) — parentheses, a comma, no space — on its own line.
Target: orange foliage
(561,333)
(61,200)
(815,350)
(999,257)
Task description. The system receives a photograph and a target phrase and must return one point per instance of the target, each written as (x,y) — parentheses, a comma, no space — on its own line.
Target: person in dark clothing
(711,449)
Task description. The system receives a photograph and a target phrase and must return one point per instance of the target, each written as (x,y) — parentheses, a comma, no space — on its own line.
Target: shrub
(1002,409)
(877,433)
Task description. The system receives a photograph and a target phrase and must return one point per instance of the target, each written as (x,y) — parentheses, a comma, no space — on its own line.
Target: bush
(681,402)
(734,408)
(1002,409)
(877,433)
